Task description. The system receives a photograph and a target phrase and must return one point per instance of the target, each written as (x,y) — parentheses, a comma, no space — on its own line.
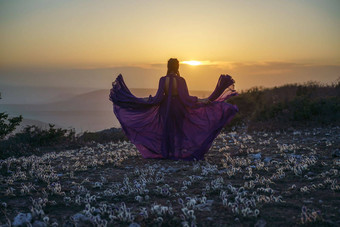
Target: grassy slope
(293,105)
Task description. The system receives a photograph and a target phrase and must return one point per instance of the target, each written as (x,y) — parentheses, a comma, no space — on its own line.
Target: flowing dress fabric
(173,126)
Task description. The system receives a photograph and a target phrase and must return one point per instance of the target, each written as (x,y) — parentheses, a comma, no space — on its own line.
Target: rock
(134,224)
(222,171)
(79,217)
(297,156)
(255,156)
(68,224)
(260,223)
(330,222)
(39,224)
(170,169)
(267,159)
(21,219)
(336,153)
(202,207)
(205,206)
(310,174)
(96,211)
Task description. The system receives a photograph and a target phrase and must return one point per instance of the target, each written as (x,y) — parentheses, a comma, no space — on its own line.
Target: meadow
(261,178)
(277,163)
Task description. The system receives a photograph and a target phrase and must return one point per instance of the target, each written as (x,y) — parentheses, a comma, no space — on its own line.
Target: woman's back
(174,84)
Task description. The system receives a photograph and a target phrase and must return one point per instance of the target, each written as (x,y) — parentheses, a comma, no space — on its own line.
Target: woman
(172,124)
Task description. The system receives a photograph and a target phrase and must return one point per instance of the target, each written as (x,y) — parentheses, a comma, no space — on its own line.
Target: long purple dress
(173,126)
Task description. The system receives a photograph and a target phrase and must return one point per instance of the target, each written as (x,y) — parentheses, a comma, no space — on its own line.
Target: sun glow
(192,62)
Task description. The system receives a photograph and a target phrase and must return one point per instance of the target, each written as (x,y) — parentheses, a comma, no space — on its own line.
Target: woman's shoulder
(178,78)
(181,78)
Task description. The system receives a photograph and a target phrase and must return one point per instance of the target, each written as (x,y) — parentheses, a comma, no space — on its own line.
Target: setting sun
(192,62)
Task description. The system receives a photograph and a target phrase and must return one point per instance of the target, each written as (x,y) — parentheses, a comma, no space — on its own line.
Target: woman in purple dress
(172,124)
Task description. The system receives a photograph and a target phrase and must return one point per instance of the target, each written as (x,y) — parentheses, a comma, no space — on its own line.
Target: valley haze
(89,111)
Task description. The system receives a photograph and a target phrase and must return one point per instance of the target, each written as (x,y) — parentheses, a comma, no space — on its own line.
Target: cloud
(269,74)
(202,77)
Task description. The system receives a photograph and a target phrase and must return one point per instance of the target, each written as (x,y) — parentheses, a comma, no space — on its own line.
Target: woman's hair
(173,65)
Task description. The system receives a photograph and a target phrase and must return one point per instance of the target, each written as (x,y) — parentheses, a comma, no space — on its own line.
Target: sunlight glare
(192,62)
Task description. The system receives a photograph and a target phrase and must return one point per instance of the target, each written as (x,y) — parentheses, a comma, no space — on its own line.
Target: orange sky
(252,39)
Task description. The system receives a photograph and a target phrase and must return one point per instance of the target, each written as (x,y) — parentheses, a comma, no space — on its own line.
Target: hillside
(38,95)
(292,105)
(95,100)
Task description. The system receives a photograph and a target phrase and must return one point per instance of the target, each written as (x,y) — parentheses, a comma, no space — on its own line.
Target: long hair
(173,66)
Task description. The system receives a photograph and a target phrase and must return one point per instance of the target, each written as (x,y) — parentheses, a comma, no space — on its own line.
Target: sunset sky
(87,43)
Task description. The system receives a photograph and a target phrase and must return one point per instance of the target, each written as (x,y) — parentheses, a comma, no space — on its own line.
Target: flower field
(260,178)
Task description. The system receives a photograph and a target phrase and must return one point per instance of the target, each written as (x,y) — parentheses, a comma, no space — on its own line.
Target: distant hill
(38,95)
(96,100)
(90,111)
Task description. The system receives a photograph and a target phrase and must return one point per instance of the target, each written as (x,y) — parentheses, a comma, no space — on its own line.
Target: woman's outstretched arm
(220,92)
(120,95)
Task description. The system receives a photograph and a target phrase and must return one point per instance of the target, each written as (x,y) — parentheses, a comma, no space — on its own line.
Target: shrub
(32,140)
(288,106)
(8,125)
(108,135)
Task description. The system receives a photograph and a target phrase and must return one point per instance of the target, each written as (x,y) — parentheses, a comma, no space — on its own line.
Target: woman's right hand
(204,101)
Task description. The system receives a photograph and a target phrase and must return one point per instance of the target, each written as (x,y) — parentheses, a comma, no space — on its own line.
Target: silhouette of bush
(8,125)
(34,140)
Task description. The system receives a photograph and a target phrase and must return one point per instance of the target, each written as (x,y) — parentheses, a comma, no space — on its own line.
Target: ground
(285,178)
